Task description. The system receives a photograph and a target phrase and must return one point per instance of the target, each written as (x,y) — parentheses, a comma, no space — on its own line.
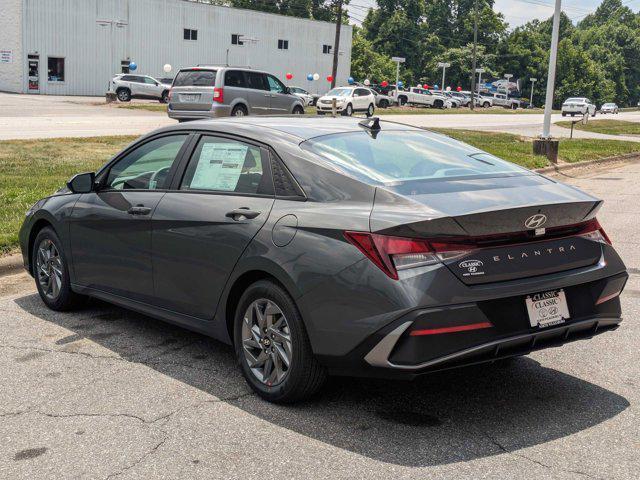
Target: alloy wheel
(49,269)
(266,342)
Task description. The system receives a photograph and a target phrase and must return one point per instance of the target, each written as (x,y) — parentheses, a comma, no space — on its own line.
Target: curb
(601,161)
(11,264)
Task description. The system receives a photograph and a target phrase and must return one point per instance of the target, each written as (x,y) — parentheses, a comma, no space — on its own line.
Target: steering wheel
(160,174)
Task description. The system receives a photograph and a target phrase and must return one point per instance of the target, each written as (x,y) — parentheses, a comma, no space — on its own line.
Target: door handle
(139,210)
(239,213)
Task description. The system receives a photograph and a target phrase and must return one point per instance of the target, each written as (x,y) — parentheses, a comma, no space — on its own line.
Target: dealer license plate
(547,309)
(189,97)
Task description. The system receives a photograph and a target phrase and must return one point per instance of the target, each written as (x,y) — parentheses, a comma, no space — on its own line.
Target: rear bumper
(505,331)
(216,111)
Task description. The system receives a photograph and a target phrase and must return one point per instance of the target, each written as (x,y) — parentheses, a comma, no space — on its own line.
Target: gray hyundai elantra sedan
(320,246)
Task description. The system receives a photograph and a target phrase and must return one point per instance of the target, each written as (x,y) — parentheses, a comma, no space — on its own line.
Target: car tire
(319,112)
(298,110)
(371,110)
(51,272)
(266,316)
(564,114)
(239,111)
(402,101)
(486,105)
(514,106)
(348,110)
(438,104)
(384,104)
(594,114)
(165,97)
(124,95)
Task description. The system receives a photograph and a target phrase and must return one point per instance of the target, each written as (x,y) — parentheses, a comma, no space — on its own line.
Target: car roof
(291,129)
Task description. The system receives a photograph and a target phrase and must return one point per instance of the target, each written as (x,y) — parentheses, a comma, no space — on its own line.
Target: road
(106,393)
(24,116)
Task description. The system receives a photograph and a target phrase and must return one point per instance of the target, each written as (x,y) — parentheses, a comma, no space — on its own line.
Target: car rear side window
(234,78)
(398,156)
(256,80)
(195,78)
(225,165)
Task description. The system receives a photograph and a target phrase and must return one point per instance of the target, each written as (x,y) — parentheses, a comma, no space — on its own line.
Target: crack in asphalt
(503,449)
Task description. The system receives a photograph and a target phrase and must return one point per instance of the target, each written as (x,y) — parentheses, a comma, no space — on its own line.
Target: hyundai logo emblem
(535,221)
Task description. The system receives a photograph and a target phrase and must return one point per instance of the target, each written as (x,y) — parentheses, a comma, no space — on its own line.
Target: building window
(124,66)
(190,34)
(283,44)
(326,48)
(235,39)
(55,69)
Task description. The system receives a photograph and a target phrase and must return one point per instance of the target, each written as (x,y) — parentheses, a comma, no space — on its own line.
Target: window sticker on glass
(219,166)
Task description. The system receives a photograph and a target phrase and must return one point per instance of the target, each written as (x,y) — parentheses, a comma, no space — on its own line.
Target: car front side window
(275,85)
(146,167)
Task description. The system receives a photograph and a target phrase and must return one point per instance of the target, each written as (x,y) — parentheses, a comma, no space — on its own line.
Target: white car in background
(127,86)
(306,97)
(348,100)
(422,97)
(610,108)
(578,106)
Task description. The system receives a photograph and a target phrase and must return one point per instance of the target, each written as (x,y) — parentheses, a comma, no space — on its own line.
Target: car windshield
(609,105)
(339,92)
(395,156)
(195,78)
(575,100)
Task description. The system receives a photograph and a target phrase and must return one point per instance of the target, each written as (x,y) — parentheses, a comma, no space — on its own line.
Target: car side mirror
(287,91)
(82,183)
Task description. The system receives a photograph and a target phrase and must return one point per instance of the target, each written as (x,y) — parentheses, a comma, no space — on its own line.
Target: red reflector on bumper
(460,328)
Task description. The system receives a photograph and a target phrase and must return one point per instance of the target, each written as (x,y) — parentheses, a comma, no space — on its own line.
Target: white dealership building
(74,47)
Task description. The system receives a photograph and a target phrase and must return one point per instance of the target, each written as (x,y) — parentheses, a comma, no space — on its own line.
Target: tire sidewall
(275,293)
(237,108)
(371,110)
(126,95)
(64,298)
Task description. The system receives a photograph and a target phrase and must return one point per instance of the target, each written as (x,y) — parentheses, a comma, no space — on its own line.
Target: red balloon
(329,78)
(289,76)
(384,83)
(459,89)
(426,87)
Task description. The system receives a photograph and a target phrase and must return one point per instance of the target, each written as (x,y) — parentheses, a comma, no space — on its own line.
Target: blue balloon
(400,84)
(310,77)
(351,81)
(133,66)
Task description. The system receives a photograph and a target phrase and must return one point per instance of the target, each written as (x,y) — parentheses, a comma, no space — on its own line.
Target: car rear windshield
(195,78)
(399,156)
(575,100)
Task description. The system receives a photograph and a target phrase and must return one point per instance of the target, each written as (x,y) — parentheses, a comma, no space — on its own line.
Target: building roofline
(208,5)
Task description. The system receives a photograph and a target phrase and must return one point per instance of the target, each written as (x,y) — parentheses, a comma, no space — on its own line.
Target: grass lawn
(447,111)
(151,107)
(610,127)
(32,169)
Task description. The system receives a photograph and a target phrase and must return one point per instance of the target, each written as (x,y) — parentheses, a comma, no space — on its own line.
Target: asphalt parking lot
(106,393)
(24,117)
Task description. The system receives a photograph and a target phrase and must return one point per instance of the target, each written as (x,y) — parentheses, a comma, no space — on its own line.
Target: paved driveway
(106,393)
(24,116)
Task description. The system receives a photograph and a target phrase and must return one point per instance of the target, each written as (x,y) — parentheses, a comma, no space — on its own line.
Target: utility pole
(336,45)
(475,58)
(443,66)
(551,80)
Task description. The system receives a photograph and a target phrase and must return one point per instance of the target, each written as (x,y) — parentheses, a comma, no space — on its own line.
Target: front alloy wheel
(49,269)
(266,342)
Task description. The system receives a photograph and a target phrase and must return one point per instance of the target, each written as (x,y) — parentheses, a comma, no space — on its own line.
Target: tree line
(598,54)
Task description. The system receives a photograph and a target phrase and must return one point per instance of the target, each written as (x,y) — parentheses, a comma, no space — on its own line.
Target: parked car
(203,91)
(422,97)
(348,101)
(464,99)
(382,101)
(455,101)
(335,245)
(305,96)
(127,86)
(609,108)
(503,100)
(483,101)
(578,106)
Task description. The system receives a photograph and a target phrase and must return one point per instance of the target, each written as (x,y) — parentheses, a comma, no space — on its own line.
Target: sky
(516,12)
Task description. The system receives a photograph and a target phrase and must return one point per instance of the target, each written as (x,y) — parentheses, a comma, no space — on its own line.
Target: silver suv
(127,86)
(202,92)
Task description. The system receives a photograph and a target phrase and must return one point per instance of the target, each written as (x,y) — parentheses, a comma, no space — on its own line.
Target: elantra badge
(536,221)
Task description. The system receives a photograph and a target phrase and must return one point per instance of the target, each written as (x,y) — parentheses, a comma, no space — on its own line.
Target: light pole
(443,66)
(551,80)
(533,82)
(398,61)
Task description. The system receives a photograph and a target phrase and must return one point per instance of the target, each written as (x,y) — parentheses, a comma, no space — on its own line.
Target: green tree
(368,63)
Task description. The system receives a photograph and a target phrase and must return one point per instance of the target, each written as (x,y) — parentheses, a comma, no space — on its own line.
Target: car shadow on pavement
(443,418)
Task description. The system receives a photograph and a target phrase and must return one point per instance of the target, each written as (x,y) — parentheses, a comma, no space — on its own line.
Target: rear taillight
(393,254)
(218,95)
